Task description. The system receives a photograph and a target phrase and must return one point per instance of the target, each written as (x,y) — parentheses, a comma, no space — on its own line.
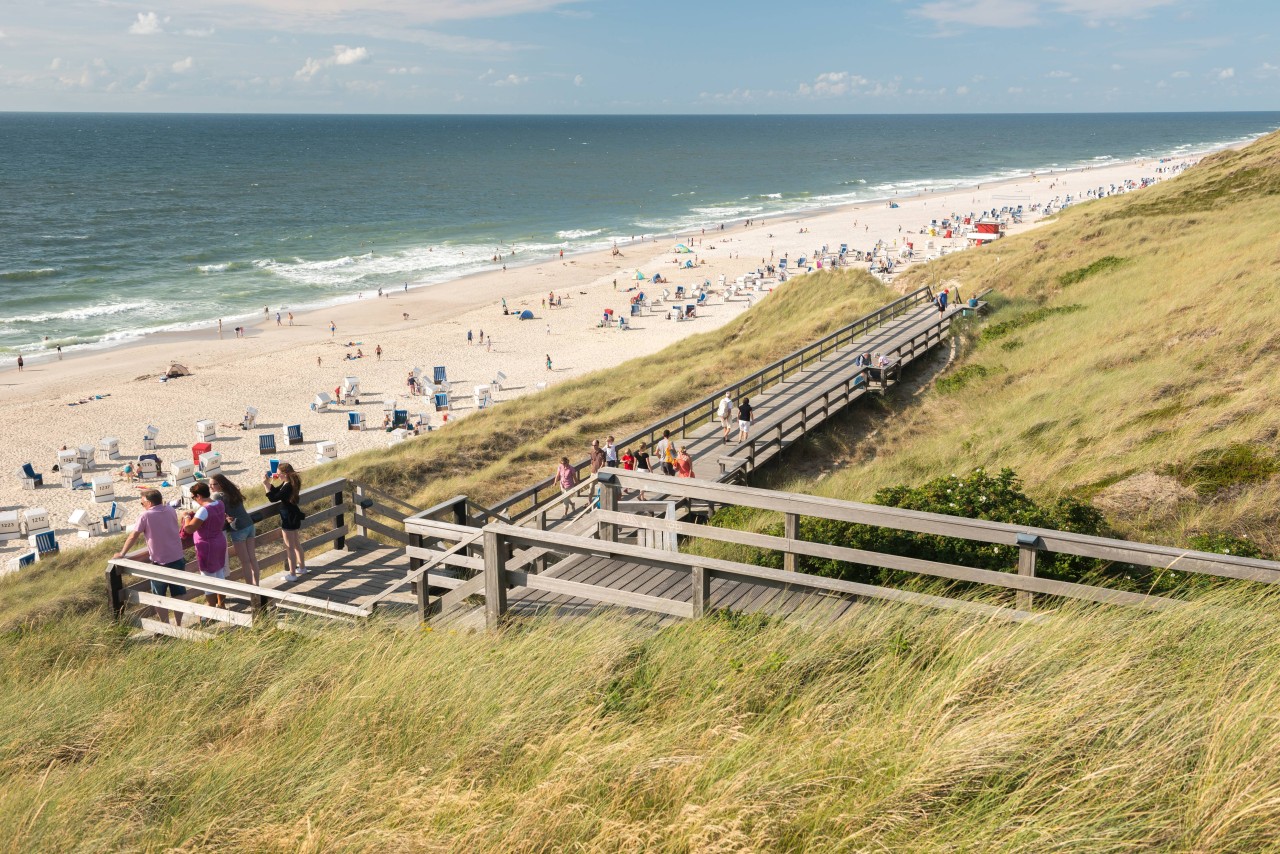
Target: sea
(115,226)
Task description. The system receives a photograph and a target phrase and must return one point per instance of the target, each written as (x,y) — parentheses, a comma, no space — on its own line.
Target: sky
(657,56)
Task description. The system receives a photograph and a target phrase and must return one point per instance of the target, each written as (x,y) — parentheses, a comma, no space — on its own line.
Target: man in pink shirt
(159,525)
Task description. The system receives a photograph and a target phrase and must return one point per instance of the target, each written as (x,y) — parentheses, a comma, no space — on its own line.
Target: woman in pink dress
(206,526)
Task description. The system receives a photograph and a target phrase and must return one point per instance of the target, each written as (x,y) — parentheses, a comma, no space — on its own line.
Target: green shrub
(1217,469)
(1004,327)
(1102,265)
(1225,544)
(960,378)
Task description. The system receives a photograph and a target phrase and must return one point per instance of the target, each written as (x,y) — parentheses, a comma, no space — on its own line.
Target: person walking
(597,456)
(744,420)
(567,477)
(667,453)
(548,359)
(284,487)
(243,533)
(206,527)
(725,411)
(377,351)
(158,524)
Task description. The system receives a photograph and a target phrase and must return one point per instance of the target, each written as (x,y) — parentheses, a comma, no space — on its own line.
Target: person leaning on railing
(240,528)
(159,525)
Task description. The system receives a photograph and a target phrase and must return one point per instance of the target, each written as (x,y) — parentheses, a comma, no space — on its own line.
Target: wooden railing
(328,525)
(703,411)
(509,553)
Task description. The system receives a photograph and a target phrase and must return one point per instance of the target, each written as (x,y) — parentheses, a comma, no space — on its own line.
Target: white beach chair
(108,450)
(148,468)
(67,456)
(397,436)
(35,520)
(72,475)
(498,380)
(104,489)
(149,437)
(250,418)
(322,401)
(211,463)
(350,390)
(84,453)
(206,430)
(483,396)
(86,525)
(183,472)
(9,527)
(325,452)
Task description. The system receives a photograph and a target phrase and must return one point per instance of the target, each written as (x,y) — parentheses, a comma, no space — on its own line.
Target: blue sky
(609,56)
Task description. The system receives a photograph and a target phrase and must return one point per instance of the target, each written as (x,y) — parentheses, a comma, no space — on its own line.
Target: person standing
(725,411)
(206,527)
(243,533)
(667,453)
(684,464)
(284,487)
(159,525)
(377,351)
(597,456)
(744,420)
(21,363)
(333,329)
(610,453)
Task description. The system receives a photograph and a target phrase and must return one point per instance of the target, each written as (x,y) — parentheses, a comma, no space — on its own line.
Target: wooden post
(1027,567)
(701,578)
(608,485)
(338,522)
(358,511)
(460,513)
(114,590)
(422,590)
(790,530)
(540,562)
(495,579)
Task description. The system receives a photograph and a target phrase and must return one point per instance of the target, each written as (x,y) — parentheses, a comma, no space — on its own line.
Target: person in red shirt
(628,461)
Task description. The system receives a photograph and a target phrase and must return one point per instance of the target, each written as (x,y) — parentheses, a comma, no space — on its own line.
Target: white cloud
(1180,75)
(199,33)
(838,84)
(56,64)
(405,70)
(511,80)
(980,13)
(182,66)
(1115,66)
(342,55)
(1110,10)
(1226,73)
(577,80)
(962,90)
(147,24)
(1058,74)
(1268,70)
(1015,90)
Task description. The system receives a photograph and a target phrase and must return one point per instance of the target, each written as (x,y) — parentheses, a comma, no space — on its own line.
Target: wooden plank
(156,627)
(459,560)
(186,606)
(381,509)
(328,537)
(920,567)
(396,534)
(736,570)
(236,589)
(607,595)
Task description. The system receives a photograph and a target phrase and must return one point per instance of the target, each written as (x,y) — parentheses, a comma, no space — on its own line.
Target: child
(628,461)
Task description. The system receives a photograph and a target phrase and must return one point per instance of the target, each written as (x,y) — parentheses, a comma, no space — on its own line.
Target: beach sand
(275,369)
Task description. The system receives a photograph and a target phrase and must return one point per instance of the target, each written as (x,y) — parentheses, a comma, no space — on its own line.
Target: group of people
(219,525)
(666,457)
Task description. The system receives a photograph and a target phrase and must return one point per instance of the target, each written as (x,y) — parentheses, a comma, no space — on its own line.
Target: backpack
(725,404)
(669,452)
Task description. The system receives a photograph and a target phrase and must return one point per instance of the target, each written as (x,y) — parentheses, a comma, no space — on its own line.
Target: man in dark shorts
(159,525)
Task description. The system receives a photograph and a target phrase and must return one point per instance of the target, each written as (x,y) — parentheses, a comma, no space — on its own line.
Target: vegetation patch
(1226,544)
(1213,471)
(1102,265)
(960,378)
(1022,321)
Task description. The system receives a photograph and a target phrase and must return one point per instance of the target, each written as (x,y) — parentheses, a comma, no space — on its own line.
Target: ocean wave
(85,313)
(26,275)
(578,234)
(214,268)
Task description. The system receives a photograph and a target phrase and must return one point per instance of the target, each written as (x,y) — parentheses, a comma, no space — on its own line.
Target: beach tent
(680,247)
(639,276)
(176,370)
(526,315)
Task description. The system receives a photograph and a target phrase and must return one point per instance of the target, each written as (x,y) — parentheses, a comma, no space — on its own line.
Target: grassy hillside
(495,453)
(1133,360)
(1099,730)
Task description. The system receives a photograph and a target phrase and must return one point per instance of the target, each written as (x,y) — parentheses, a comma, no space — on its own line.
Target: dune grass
(1125,354)
(1099,729)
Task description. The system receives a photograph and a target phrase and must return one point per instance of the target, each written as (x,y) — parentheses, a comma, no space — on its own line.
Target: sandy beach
(280,368)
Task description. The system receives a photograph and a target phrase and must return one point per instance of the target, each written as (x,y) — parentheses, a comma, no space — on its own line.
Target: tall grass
(1098,729)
